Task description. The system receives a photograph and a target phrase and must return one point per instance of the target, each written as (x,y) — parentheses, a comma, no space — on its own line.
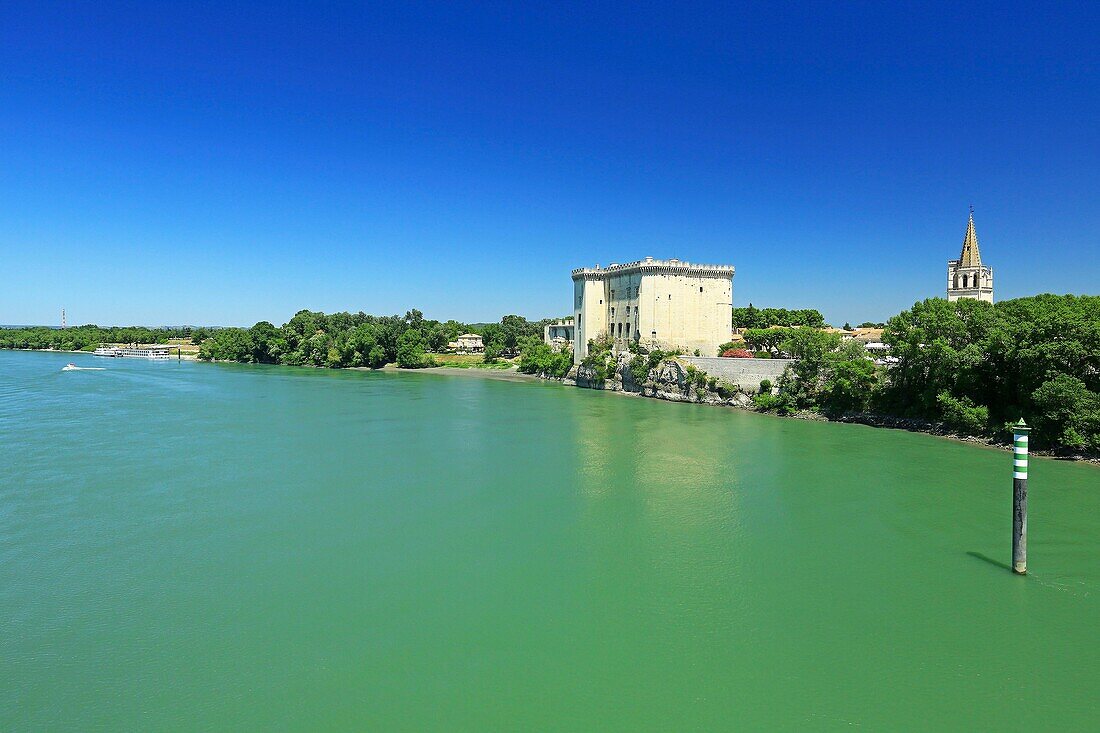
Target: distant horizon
(233,163)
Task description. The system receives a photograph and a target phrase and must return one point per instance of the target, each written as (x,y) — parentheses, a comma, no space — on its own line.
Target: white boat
(158,353)
(70,367)
(147,352)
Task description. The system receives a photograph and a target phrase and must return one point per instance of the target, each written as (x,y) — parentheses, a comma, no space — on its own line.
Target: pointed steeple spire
(970,256)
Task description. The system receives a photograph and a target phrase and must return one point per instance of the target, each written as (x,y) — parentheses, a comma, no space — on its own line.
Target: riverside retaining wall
(746,372)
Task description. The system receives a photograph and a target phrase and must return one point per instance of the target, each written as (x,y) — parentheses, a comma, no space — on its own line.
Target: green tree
(492,337)
(365,347)
(227,344)
(512,330)
(1066,413)
(410,350)
(267,343)
(849,385)
(536,357)
(766,339)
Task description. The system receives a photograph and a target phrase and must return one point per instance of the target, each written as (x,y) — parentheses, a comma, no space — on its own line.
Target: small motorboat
(70,367)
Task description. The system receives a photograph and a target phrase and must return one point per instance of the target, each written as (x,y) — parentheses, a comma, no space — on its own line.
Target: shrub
(765,386)
(539,358)
(645,361)
(962,415)
(779,403)
(737,354)
(762,355)
(601,365)
(695,377)
(639,368)
(725,389)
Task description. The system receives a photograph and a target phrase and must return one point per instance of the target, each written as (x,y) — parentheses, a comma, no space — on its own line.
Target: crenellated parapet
(650,266)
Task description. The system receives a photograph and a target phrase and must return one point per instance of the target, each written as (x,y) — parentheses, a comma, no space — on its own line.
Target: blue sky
(223,163)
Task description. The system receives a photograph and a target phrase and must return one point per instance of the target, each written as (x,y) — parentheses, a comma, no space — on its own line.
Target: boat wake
(75,368)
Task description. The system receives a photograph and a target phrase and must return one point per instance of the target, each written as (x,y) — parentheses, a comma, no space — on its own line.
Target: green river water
(220,547)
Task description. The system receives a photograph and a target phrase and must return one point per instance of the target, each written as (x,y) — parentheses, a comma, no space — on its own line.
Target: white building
(666,304)
(560,334)
(469,343)
(967,277)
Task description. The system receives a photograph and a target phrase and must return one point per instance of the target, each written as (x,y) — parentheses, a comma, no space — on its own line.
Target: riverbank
(675,381)
(510,374)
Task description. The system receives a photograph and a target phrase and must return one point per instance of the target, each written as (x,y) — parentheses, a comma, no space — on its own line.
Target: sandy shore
(510,374)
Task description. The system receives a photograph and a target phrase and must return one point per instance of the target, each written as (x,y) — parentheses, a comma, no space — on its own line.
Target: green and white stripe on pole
(1019,449)
(1019,497)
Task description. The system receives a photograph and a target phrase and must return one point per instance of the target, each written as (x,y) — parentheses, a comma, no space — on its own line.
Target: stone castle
(665,304)
(967,277)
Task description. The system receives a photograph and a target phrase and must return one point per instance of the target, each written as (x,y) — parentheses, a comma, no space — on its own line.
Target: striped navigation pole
(1019,497)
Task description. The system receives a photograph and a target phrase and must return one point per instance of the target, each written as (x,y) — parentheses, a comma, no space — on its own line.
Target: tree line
(751,317)
(85,338)
(340,340)
(974,366)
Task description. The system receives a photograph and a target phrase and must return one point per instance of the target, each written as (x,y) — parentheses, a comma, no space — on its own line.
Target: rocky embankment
(669,380)
(677,380)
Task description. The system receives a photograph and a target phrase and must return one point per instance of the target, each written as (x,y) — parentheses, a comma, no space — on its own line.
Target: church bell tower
(967,277)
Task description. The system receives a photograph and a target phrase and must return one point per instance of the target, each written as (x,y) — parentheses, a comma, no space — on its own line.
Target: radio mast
(62,319)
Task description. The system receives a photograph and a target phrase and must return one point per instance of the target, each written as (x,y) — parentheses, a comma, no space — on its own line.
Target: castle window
(620,330)
(628,330)
(700,288)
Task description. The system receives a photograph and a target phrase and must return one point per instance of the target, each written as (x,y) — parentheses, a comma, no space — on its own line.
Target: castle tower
(664,304)
(967,277)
